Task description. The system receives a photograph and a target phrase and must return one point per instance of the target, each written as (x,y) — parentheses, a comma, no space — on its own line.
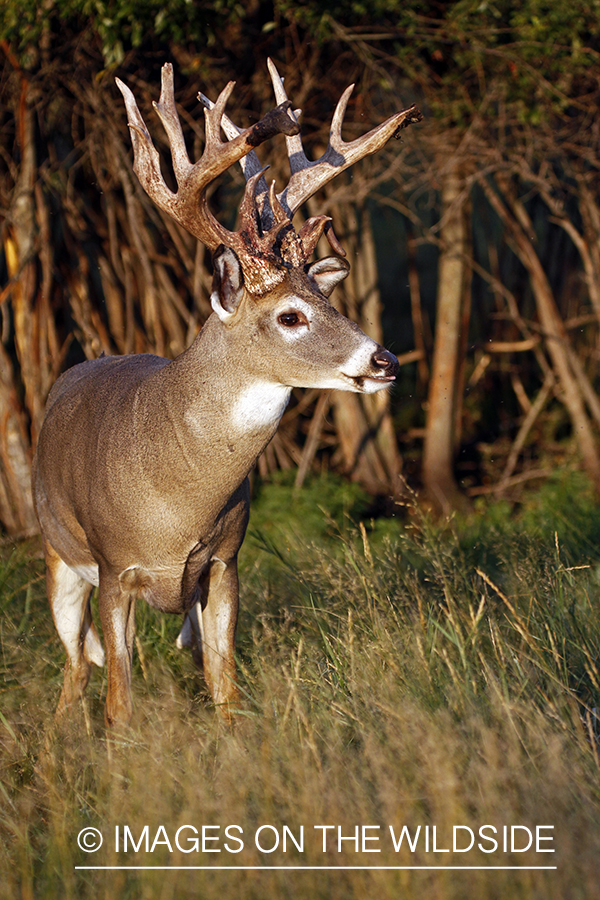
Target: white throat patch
(260,405)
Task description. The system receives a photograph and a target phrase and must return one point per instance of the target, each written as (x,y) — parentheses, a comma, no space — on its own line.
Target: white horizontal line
(312,868)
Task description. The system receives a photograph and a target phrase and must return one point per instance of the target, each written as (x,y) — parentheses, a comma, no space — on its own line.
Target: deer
(141,471)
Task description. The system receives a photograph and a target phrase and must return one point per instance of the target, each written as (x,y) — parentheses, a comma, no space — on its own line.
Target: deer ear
(227,284)
(328,272)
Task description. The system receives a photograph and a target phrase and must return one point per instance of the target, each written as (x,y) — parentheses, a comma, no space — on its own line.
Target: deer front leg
(218,622)
(117,614)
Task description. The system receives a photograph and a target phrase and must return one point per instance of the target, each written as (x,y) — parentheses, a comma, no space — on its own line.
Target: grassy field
(395,674)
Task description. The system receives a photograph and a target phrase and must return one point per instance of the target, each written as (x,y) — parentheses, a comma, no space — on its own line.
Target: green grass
(396,673)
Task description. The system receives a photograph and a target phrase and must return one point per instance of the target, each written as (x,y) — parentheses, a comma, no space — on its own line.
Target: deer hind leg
(218,619)
(116,603)
(69,597)
(191,633)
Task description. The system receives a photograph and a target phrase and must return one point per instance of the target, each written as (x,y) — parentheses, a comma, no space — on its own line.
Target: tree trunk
(441,488)
(16,502)
(20,247)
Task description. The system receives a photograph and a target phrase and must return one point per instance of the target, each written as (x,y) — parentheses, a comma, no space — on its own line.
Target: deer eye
(289,319)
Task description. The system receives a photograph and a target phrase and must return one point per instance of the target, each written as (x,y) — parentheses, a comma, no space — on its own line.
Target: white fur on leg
(92,648)
(191,630)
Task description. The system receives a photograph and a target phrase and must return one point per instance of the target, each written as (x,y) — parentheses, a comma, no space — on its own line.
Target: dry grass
(431,680)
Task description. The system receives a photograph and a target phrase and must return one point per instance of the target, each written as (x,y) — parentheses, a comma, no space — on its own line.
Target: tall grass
(392,674)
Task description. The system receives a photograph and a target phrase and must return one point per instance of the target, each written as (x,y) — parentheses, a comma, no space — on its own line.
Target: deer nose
(386,361)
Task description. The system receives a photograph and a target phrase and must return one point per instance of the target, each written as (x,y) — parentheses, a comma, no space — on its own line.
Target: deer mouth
(367,384)
(383,378)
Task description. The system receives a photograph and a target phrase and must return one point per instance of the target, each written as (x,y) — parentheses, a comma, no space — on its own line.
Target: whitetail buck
(141,469)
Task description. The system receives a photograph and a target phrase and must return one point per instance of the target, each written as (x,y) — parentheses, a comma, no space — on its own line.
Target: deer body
(141,471)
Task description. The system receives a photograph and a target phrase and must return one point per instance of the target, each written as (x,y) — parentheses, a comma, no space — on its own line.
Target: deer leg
(117,614)
(69,597)
(218,621)
(191,633)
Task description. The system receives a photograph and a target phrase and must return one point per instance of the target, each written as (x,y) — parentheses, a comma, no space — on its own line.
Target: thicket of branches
(475,241)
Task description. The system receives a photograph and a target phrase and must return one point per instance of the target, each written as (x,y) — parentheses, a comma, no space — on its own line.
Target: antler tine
(279,213)
(293,142)
(167,114)
(146,161)
(335,131)
(250,164)
(247,208)
(274,218)
(213,115)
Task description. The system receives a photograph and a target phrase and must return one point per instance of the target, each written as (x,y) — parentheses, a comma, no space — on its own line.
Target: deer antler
(266,242)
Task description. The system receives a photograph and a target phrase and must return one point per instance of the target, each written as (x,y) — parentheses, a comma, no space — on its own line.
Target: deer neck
(223,408)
